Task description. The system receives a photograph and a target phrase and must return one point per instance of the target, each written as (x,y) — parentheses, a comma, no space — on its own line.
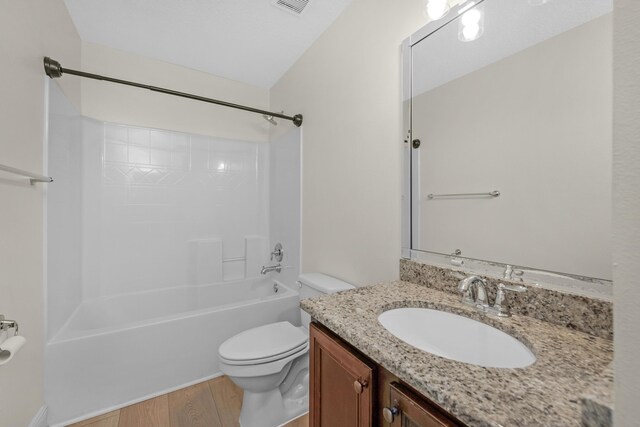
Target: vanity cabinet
(348,390)
(341,383)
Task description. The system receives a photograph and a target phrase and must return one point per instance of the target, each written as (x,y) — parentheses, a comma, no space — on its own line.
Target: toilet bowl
(271,362)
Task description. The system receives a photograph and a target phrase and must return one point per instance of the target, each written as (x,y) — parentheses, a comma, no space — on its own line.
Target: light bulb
(471,17)
(437,9)
(470,32)
(471,24)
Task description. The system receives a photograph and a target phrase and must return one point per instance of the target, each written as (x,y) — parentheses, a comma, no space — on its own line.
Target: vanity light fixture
(471,23)
(436,9)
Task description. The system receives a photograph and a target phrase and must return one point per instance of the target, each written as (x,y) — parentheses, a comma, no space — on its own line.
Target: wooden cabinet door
(341,383)
(408,409)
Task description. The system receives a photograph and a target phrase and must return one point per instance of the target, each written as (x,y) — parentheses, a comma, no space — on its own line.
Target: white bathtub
(118,350)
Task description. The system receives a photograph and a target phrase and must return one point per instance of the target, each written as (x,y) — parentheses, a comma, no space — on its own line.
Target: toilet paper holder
(8,324)
(9,346)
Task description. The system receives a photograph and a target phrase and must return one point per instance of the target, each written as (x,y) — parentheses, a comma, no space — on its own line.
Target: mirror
(511,101)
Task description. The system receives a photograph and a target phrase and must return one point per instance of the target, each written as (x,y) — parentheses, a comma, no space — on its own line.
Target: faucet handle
(277,253)
(511,288)
(499,309)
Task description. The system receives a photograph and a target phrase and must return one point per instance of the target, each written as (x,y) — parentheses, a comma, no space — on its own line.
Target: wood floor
(214,403)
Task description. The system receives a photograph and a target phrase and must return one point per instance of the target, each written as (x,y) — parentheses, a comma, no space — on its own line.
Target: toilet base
(277,407)
(270,409)
(261,409)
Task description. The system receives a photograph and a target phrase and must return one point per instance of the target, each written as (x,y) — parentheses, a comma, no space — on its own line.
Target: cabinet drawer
(408,409)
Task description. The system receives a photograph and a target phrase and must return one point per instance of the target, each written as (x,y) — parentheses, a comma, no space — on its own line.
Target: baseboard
(40,420)
(129,403)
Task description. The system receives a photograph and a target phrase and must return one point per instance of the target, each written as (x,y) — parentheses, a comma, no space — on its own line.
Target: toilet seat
(261,369)
(263,344)
(264,359)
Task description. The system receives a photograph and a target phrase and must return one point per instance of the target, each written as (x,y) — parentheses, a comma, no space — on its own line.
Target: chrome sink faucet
(474,293)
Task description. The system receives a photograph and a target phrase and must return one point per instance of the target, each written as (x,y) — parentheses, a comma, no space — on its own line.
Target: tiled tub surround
(591,315)
(169,201)
(546,393)
(152,209)
(137,209)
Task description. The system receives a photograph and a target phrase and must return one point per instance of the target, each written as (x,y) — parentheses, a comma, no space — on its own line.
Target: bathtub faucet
(277,268)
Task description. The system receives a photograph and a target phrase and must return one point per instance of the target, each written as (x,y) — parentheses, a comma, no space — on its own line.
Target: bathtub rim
(55,339)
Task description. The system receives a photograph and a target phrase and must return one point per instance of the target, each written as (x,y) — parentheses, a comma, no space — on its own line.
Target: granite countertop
(597,402)
(547,393)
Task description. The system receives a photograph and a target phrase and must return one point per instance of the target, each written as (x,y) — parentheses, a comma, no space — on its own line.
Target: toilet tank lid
(323,283)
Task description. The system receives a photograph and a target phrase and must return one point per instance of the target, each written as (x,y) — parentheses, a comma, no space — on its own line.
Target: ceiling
(251,41)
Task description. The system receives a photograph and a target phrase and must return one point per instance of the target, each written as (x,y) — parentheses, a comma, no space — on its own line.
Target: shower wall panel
(162,207)
(64,281)
(285,197)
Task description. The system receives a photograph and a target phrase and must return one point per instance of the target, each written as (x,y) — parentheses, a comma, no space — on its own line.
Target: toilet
(271,362)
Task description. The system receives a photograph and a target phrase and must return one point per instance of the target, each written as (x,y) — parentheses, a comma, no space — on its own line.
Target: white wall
(348,87)
(626,211)
(128,105)
(537,127)
(29,30)
(284,202)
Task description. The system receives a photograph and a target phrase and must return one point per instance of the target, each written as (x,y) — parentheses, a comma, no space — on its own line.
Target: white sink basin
(457,338)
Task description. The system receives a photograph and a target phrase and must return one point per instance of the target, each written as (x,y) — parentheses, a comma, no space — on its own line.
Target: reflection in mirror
(524,109)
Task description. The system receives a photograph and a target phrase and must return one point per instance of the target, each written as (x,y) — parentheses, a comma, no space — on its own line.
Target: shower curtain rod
(54,70)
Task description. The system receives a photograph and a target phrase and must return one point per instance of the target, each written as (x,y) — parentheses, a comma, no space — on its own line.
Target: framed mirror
(508,131)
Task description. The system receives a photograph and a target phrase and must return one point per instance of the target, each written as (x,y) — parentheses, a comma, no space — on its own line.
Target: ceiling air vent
(293,6)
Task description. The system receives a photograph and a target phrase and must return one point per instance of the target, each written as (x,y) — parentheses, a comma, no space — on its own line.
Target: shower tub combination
(114,351)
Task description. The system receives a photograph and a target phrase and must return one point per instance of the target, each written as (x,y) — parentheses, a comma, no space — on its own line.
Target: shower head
(270,119)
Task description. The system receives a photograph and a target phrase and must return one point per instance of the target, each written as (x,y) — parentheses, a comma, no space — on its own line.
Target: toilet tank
(316,284)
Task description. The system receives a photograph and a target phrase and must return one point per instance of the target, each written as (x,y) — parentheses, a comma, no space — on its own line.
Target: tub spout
(277,268)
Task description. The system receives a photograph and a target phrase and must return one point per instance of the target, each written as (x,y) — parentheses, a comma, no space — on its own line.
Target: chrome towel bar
(494,193)
(33,177)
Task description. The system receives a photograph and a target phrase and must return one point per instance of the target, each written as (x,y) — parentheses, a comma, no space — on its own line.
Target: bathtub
(115,351)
